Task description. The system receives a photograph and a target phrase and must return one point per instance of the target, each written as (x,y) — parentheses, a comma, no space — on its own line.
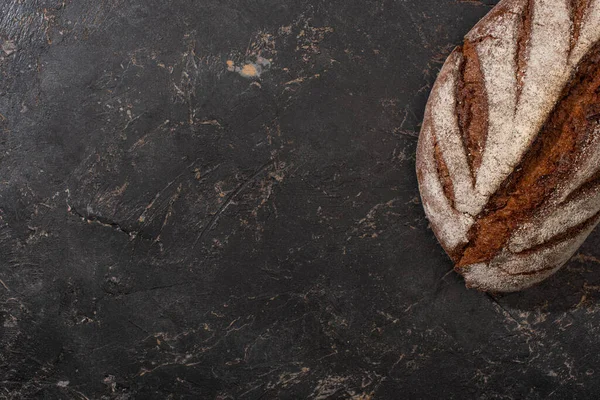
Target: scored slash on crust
(508,159)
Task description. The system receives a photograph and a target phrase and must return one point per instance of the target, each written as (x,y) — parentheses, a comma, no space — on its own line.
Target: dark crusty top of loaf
(509,153)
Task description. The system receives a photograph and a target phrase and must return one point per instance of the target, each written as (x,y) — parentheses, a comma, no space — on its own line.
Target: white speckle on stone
(9,47)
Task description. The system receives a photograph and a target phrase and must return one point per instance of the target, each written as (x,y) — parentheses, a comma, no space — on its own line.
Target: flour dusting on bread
(524,172)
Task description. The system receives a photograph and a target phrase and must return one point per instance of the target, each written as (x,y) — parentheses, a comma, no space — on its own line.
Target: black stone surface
(171,229)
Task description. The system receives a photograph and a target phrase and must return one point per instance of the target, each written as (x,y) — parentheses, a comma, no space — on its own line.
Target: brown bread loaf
(508,159)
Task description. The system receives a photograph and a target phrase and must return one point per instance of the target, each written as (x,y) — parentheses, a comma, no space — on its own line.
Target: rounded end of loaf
(489,278)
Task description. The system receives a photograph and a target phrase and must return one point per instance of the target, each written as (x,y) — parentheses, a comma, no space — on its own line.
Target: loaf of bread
(508,159)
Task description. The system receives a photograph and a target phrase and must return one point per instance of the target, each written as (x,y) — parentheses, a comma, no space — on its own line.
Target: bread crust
(508,159)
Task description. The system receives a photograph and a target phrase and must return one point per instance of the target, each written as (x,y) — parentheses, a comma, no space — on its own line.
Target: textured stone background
(173,229)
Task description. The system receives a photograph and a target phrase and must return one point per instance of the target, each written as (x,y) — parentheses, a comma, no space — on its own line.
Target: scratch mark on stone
(506,313)
(83,396)
(172,201)
(139,327)
(107,223)
(212,122)
(215,218)
(142,216)
(416,24)
(132,120)
(141,141)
